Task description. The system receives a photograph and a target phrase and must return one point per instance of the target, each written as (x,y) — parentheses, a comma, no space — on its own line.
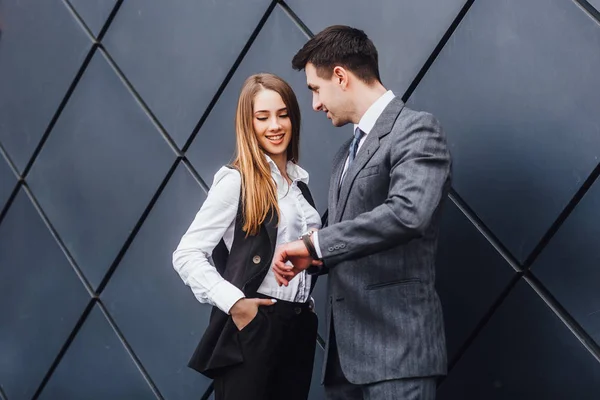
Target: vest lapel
(270,225)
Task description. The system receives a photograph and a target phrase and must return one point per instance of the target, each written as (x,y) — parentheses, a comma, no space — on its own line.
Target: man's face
(328,96)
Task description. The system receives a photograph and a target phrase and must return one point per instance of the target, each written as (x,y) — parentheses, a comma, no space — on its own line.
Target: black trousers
(279,348)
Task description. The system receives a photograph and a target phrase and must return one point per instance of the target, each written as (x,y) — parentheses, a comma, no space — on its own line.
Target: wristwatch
(309,245)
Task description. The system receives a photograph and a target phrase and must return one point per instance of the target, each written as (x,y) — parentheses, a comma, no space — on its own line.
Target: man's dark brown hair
(343,46)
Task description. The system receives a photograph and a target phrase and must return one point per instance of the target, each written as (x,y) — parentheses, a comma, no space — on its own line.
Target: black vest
(245,266)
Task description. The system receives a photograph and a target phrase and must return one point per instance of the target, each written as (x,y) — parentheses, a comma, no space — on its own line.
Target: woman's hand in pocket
(245,310)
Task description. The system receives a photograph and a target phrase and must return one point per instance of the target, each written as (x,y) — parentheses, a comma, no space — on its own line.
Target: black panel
(97,366)
(525,352)
(405,32)
(94,12)
(41,299)
(568,267)
(100,167)
(42,49)
(317,392)
(272,51)
(520,111)
(177,53)
(8,180)
(156,311)
(470,276)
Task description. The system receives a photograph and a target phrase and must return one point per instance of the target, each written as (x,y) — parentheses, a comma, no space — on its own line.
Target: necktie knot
(358,133)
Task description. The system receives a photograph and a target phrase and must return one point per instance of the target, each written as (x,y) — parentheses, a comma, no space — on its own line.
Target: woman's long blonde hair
(259,194)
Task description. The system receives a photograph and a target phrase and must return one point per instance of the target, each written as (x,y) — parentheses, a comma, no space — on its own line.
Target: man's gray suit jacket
(379,249)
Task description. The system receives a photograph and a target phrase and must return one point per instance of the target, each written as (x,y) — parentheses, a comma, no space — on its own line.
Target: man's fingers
(318,263)
(287,275)
(281,268)
(278,278)
(281,280)
(281,265)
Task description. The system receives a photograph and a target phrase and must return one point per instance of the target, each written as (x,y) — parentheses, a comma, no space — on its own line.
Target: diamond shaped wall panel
(514,88)
(470,276)
(94,12)
(155,310)
(42,49)
(41,299)
(8,180)
(568,267)
(97,366)
(520,111)
(99,169)
(524,352)
(176,54)
(405,32)
(272,52)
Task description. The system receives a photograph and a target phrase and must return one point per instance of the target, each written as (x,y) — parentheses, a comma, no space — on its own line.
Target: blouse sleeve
(191,258)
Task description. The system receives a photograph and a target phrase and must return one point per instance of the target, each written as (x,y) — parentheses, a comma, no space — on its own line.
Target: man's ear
(340,76)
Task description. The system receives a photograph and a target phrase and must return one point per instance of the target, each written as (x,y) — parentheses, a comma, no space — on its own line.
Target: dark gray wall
(114,116)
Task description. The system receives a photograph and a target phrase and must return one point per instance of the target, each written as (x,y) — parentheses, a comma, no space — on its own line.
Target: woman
(261,338)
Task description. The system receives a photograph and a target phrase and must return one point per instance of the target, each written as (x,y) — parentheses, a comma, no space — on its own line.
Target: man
(384,318)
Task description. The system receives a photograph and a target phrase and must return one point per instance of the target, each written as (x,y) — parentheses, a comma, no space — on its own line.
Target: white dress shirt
(216,221)
(366,124)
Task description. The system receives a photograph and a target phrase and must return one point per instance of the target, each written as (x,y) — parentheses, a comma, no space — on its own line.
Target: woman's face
(272,124)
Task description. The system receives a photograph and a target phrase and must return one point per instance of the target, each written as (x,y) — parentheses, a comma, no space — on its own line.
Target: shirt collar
(367,122)
(294,171)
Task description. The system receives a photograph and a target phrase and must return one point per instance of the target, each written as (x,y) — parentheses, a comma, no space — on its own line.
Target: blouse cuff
(224,295)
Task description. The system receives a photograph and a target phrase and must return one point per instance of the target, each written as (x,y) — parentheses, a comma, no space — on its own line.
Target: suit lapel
(382,127)
(334,184)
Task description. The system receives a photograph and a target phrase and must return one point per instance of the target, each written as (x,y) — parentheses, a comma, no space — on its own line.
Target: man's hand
(296,253)
(245,310)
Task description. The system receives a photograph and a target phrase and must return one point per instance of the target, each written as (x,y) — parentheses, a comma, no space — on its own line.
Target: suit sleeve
(419,176)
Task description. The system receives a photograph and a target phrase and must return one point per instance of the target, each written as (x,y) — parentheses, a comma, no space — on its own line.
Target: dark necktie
(358,134)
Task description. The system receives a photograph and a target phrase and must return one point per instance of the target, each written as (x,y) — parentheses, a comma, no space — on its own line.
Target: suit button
(297,310)
(330,249)
(256,259)
(342,245)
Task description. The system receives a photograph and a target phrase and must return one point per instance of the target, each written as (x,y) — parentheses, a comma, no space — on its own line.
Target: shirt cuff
(224,295)
(315,238)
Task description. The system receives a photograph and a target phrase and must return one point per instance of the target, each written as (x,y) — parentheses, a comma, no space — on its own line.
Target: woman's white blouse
(216,220)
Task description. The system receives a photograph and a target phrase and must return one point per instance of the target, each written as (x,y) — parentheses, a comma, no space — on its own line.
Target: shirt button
(256,259)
